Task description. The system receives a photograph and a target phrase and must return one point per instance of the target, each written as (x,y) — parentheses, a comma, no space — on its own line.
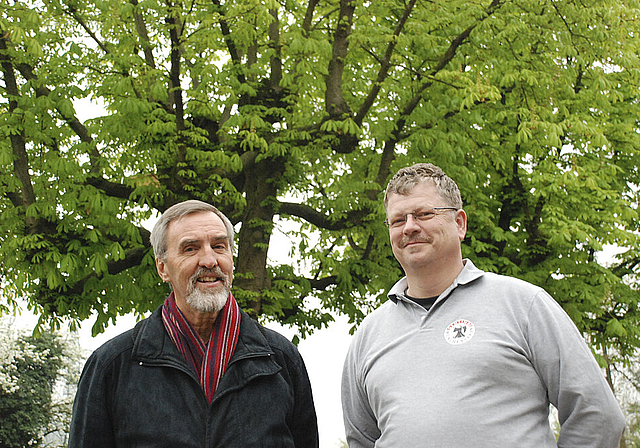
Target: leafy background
(293,115)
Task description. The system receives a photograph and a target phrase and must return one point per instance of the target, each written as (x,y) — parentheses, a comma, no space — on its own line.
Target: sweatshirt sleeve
(588,412)
(360,424)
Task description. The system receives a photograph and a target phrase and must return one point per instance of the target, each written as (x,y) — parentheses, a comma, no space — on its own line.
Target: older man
(460,357)
(199,372)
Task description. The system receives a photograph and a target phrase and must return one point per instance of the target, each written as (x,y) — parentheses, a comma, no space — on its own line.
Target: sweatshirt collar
(468,274)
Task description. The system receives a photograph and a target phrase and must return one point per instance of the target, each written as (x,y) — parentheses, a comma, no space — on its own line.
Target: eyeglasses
(423,215)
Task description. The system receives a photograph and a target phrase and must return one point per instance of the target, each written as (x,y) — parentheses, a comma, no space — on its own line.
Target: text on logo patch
(459,332)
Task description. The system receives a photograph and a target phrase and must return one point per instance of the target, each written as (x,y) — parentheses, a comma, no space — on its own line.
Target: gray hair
(407,178)
(159,233)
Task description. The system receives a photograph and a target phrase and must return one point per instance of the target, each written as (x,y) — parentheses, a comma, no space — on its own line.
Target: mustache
(205,272)
(413,239)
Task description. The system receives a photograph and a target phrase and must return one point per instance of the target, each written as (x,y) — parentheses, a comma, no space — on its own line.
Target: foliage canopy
(293,115)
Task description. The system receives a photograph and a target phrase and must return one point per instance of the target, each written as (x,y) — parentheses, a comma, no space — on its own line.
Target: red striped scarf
(209,360)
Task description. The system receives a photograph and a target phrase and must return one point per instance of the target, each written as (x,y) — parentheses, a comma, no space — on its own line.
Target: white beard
(208,302)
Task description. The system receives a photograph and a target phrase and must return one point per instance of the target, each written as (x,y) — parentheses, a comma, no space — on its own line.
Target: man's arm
(587,409)
(305,425)
(361,427)
(91,423)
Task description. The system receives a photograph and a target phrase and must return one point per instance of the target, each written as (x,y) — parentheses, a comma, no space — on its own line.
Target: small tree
(31,368)
(624,377)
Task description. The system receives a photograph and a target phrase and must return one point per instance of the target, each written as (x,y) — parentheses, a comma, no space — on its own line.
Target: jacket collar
(468,274)
(251,359)
(151,342)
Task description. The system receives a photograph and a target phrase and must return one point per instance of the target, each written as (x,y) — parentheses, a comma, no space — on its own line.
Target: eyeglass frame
(423,218)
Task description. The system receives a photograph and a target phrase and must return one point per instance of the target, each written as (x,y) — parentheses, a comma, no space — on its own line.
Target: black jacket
(138,391)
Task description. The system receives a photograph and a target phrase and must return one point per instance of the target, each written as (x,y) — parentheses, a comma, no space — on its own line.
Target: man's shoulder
(501,281)
(274,339)
(285,352)
(382,316)
(115,346)
(113,352)
(124,342)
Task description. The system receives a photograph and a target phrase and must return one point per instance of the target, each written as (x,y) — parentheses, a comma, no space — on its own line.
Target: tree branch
(175,90)
(112,189)
(317,284)
(384,66)
(389,148)
(21,163)
(73,122)
(141,28)
(309,214)
(133,258)
(142,32)
(231,46)
(308,17)
(18,145)
(73,12)
(274,43)
(446,116)
(41,90)
(335,104)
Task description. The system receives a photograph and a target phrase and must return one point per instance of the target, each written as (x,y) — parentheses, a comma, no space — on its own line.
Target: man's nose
(411,225)
(208,258)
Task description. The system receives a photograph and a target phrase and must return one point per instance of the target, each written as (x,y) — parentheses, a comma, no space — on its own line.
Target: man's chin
(207,303)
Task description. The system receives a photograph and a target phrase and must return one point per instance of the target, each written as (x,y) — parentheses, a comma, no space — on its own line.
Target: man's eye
(398,221)
(423,215)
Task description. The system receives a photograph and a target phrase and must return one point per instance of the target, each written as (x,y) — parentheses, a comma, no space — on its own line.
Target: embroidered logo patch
(459,332)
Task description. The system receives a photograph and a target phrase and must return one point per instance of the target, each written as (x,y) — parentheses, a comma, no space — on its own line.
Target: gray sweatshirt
(479,369)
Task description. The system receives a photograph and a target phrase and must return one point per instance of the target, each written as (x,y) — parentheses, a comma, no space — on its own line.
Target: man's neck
(432,282)
(202,323)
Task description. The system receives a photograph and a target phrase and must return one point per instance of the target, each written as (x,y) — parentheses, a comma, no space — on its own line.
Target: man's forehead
(194,237)
(425,188)
(408,187)
(195,225)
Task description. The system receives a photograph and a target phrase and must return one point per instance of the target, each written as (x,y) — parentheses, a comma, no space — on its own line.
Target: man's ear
(162,271)
(461,222)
